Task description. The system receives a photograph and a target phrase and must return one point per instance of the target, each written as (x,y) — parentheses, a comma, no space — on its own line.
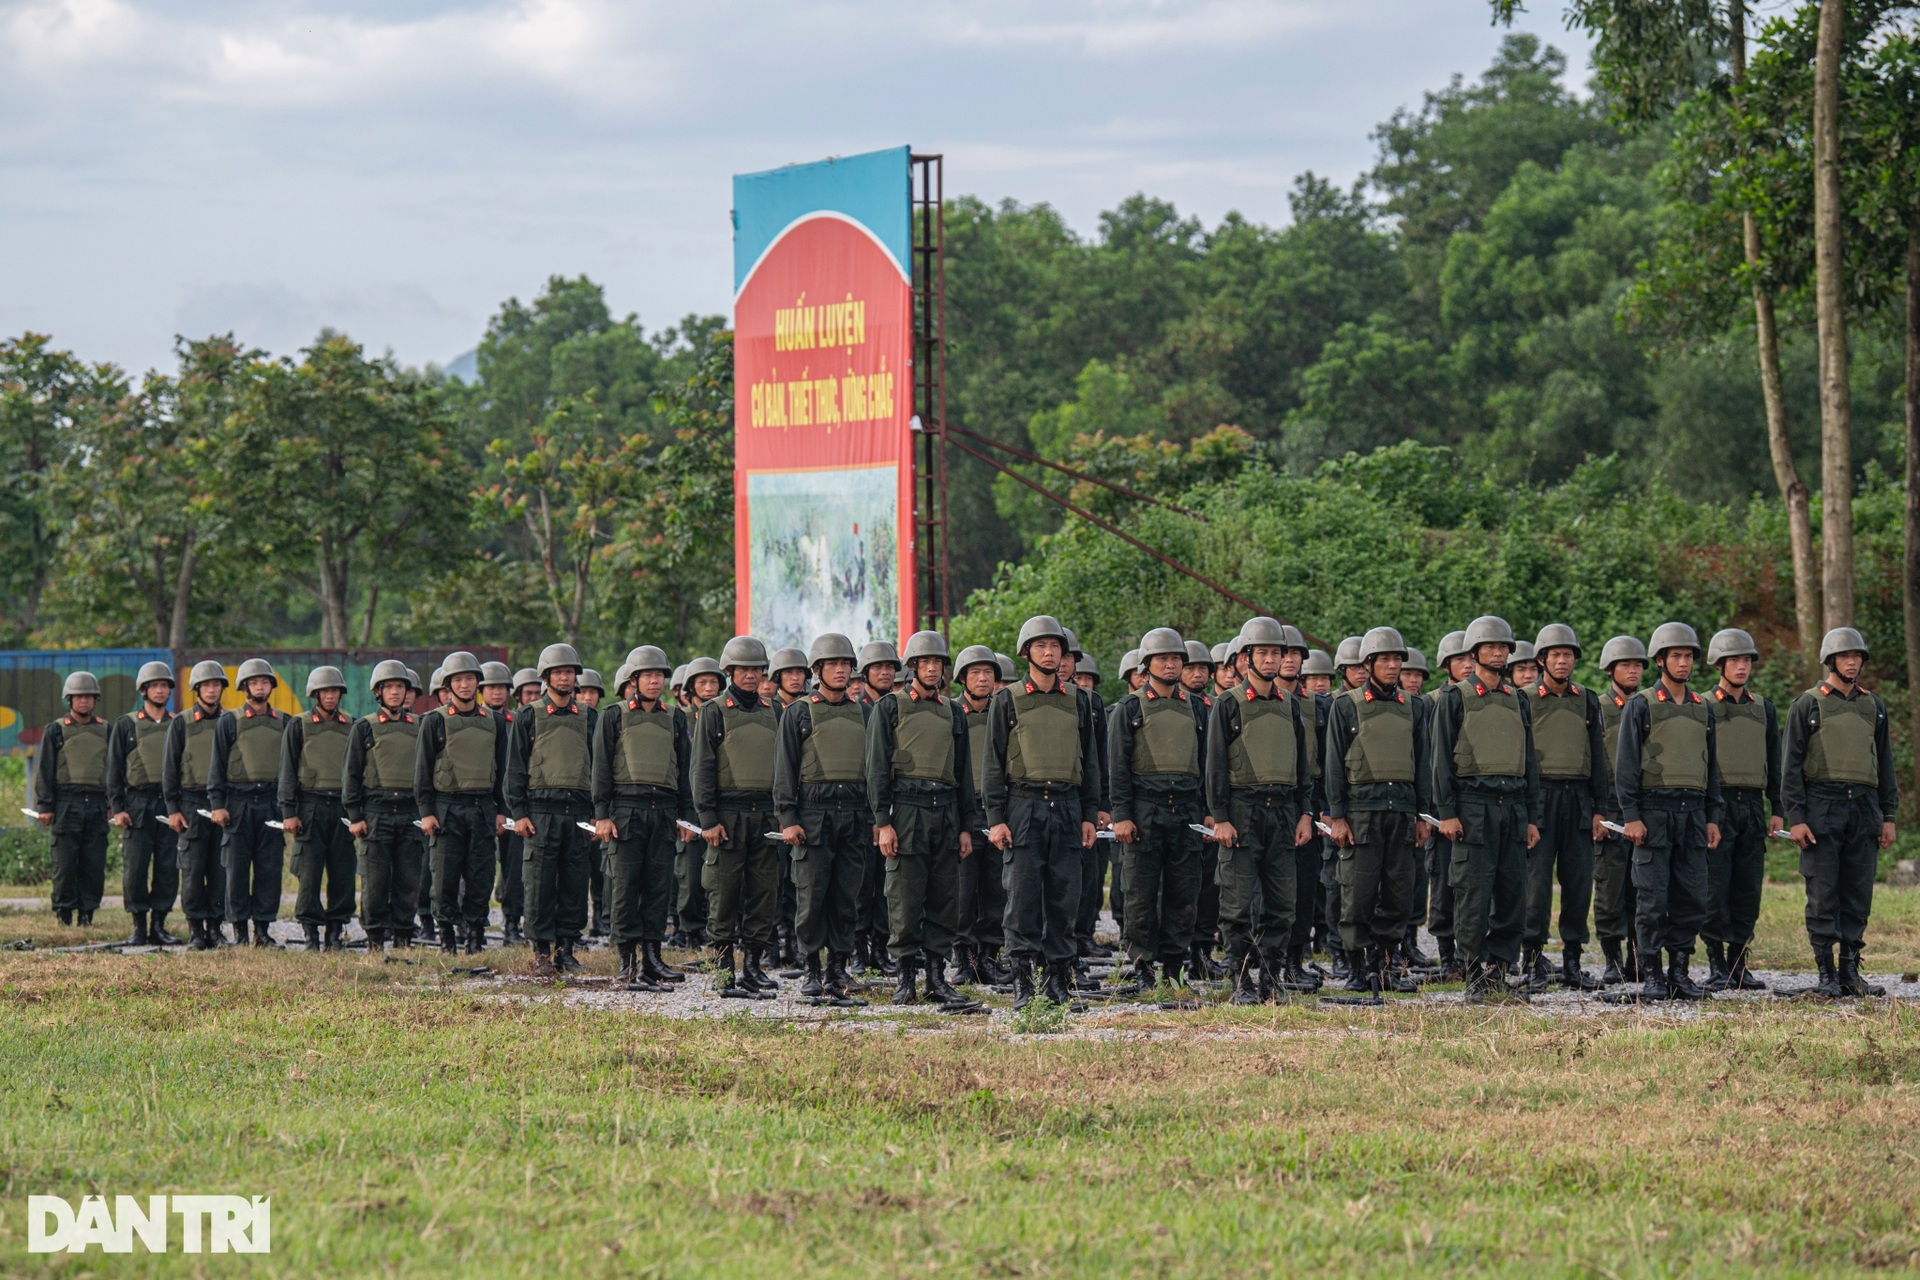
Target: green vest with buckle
(836,748)
(1168,740)
(83,754)
(747,736)
(923,740)
(389,765)
(323,753)
(1842,746)
(255,757)
(149,752)
(1740,742)
(1266,754)
(468,754)
(196,754)
(1493,739)
(1560,734)
(561,758)
(645,754)
(1674,755)
(1382,746)
(1044,743)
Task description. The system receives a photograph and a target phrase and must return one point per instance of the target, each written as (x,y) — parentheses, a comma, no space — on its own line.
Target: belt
(1048,791)
(252,788)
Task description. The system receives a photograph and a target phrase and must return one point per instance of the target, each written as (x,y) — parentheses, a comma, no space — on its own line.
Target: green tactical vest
(149,751)
(255,755)
(1674,756)
(1842,747)
(1740,742)
(1560,736)
(645,755)
(468,756)
(836,750)
(83,754)
(1266,753)
(197,751)
(747,743)
(977,743)
(323,753)
(923,740)
(389,765)
(1611,714)
(1492,741)
(1044,745)
(1168,739)
(562,758)
(1382,747)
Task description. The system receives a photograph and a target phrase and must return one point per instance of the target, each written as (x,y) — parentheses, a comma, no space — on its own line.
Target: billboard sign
(823,398)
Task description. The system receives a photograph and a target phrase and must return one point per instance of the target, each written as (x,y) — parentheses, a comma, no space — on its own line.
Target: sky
(396,169)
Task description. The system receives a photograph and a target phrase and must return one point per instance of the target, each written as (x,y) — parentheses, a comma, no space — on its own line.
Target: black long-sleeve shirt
(1343,724)
(1800,727)
(1223,730)
(606,748)
(433,740)
(1124,786)
(882,723)
(1635,722)
(1000,724)
(1448,709)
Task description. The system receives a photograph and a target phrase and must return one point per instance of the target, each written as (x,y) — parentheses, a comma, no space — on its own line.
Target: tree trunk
(1910,580)
(1836,407)
(366,626)
(182,595)
(333,599)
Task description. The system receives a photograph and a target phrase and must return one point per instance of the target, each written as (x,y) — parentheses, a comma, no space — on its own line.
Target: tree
(44,396)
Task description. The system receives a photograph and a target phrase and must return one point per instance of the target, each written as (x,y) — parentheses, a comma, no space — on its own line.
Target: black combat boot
(1392,976)
(1296,975)
(1023,992)
(1653,982)
(219,930)
(1060,985)
(1361,968)
(139,938)
(86,919)
(726,977)
(789,947)
(1533,970)
(1339,964)
(966,966)
(629,963)
(655,968)
(1739,977)
(1616,970)
(376,941)
(1630,968)
(336,937)
(1571,974)
(261,936)
(755,978)
(563,956)
(476,939)
(157,932)
(1246,989)
(1828,984)
(993,970)
(543,966)
(1142,978)
(197,939)
(510,931)
(813,986)
(449,940)
(883,959)
(1451,970)
(1197,959)
(903,989)
(311,933)
(838,985)
(64,916)
(1717,975)
(1482,981)
(938,988)
(1850,980)
(1679,980)
(630,968)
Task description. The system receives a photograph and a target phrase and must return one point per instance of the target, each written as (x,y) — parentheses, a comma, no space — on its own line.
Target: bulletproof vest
(467,757)
(323,753)
(1492,741)
(977,743)
(836,750)
(255,755)
(197,751)
(1266,753)
(561,758)
(644,756)
(923,740)
(1740,742)
(1560,735)
(1044,744)
(389,766)
(1841,749)
(746,745)
(1168,740)
(1611,713)
(1382,747)
(83,754)
(1674,756)
(149,752)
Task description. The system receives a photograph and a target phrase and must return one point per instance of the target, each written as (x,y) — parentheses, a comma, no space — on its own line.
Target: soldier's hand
(176,822)
(1599,828)
(1103,819)
(1125,832)
(1886,835)
(794,835)
(1533,835)
(1088,834)
(500,824)
(1422,829)
(292,826)
(1775,824)
(430,825)
(221,817)
(1713,835)
(1802,834)
(1302,832)
(119,820)
(1453,828)
(46,819)
(1342,833)
(603,830)
(1001,837)
(1224,835)
(888,839)
(358,830)
(714,834)
(966,845)
(524,828)
(1637,832)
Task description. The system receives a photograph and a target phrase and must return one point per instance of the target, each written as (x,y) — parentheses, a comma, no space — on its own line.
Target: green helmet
(590,679)
(1161,642)
(1008,672)
(829,646)
(622,674)
(207,669)
(1522,652)
(925,644)
(253,667)
(1556,635)
(788,660)
(880,653)
(1261,631)
(150,672)
(703,666)
(1348,654)
(1379,642)
(495,673)
(1842,640)
(647,657)
(79,684)
(1731,643)
(1087,666)
(1674,635)
(1451,646)
(555,656)
(1416,661)
(438,680)
(1039,627)
(391,669)
(743,651)
(678,680)
(524,677)
(1318,663)
(413,682)
(325,678)
(1130,663)
(1198,654)
(1221,652)
(1072,642)
(1487,629)
(460,663)
(972,656)
(1622,649)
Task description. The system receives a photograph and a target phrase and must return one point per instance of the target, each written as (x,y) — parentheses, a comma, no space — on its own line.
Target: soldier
(242,778)
(1196,677)
(1225,673)
(1093,862)
(1130,673)
(136,757)
(1348,674)
(1376,773)
(438,683)
(589,689)
(1455,665)
(313,757)
(789,671)
(1747,734)
(526,687)
(459,789)
(1086,673)
(734,744)
(919,785)
(376,791)
(1668,779)
(1523,668)
(1285,678)
(1569,736)
(1413,679)
(982,893)
(1841,795)
(496,691)
(70,792)
(1004,674)
(421,927)
(1316,672)
(820,789)
(1624,659)
(1042,793)
(1486,783)
(1155,763)
(183,787)
(878,667)
(549,794)
(640,795)
(677,686)
(703,682)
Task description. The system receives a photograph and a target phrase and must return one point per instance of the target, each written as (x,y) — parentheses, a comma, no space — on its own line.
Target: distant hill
(465,366)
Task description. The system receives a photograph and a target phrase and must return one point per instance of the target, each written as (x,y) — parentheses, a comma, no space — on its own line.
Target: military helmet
(1198,654)
(1522,652)
(788,659)
(876,653)
(325,678)
(460,663)
(1486,629)
(391,669)
(207,669)
(678,680)
(973,655)
(558,655)
(1219,654)
(1129,663)
(413,681)
(1294,638)
(1008,672)
(647,657)
(925,644)
(79,683)
(1556,635)
(1451,646)
(1070,642)
(703,666)
(1087,666)
(1416,661)
(1379,641)
(438,680)
(1159,643)
(1348,654)
(622,674)
(1673,635)
(255,667)
(150,672)
(743,651)
(1261,631)
(830,645)
(1622,649)
(1731,643)
(1842,640)
(524,677)
(590,679)
(1318,663)
(495,673)
(1038,627)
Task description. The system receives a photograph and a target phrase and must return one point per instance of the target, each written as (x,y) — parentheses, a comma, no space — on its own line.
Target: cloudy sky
(395,169)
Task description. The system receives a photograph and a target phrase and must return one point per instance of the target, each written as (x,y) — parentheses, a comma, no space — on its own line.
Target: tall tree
(44,395)
(1830,310)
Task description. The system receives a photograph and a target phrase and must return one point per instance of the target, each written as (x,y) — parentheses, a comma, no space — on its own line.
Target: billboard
(823,398)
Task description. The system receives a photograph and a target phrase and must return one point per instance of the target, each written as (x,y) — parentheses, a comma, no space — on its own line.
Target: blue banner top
(874,190)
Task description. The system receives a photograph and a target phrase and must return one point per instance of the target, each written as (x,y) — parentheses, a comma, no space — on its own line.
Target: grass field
(409,1123)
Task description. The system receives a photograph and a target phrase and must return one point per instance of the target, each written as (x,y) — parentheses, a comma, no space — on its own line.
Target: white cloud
(53,36)
(1135,28)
